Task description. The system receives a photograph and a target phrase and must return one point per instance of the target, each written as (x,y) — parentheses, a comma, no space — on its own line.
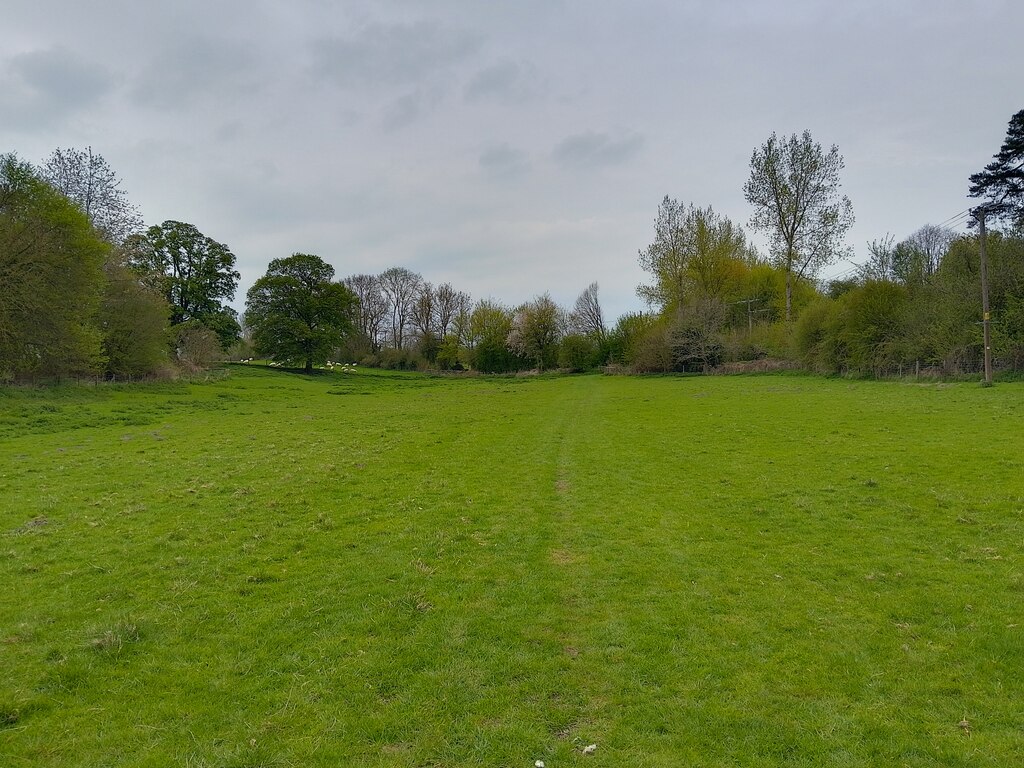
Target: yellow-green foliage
(51,277)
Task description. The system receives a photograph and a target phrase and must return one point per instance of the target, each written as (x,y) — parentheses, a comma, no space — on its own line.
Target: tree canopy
(296,313)
(490,324)
(794,188)
(536,330)
(400,287)
(85,178)
(695,253)
(193,272)
(1002,181)
(85,291)
(133,319)
(587,318)
(51,271)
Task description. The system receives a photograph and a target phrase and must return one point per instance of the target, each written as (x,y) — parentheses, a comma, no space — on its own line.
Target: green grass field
(268,569)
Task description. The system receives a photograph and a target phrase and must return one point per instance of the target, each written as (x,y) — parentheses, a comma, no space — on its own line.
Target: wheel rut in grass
(569,564)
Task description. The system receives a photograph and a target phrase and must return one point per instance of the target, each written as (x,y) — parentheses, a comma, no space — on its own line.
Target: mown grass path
(373,569)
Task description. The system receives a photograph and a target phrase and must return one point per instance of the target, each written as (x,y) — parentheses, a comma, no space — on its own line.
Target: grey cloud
(392,53)
(574,88)
(195,69)
(503,161)
(504,81)
(230,131)
(596,150)
(40,88)
(408,108)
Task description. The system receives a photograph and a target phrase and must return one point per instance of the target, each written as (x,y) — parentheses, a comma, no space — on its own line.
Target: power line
(849,272)
(956,222)
(948,222)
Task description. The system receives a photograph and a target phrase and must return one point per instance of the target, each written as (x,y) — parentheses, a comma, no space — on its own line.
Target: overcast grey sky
(510,148)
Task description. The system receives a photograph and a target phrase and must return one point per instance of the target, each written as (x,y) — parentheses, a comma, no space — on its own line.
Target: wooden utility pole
(750,312)
(979,214)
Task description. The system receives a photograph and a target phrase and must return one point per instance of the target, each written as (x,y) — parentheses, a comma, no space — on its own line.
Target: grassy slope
(394,570)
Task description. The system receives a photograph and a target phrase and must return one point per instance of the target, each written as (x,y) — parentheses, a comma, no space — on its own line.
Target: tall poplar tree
(794,188)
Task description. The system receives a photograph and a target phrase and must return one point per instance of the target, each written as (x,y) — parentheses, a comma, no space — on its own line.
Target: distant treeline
(87,290)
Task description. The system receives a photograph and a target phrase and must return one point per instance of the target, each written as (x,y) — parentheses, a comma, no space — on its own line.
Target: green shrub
(578,352)
(810,335)
(133,320)
(652,352)
(873,327)
(627,337)
(695,335)
(401,360)
(196,347)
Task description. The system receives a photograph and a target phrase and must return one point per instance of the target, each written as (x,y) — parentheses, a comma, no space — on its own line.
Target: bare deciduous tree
(932,243)
(373,307)
(882,260)
(424,311)
(912,262)
(400,287)
(86,179)
(694,334)
(449,303)
(461,325)
(587,317)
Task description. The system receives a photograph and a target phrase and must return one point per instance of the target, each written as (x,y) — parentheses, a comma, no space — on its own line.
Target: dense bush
(578,352)
(1008,336)
(628,336)
(491,355)
(133,319)
(400,359)
(450,355)
(762,341)
(811,344)
(195,346)
(871,328)
(652,352)
(695,335)
(51,265)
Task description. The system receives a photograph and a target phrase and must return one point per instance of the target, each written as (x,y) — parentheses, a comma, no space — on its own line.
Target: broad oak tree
(193,272)
(297,313)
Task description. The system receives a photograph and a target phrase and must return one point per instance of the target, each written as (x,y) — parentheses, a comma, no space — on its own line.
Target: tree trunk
(789,295)
(309,365)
